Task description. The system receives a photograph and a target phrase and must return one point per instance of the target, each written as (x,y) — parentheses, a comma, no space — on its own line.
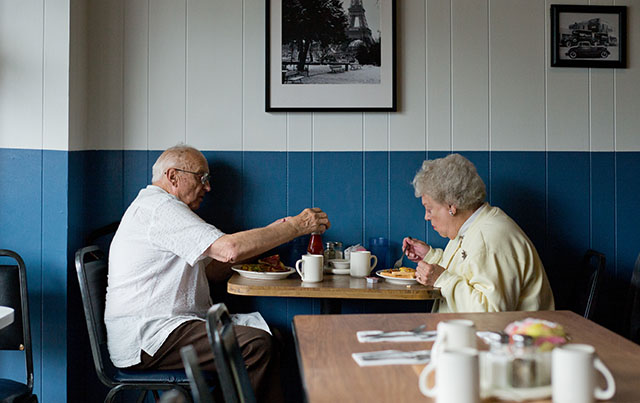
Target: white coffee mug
(451,334)
(457,377)
(310,268)
(573,375)
(360,263)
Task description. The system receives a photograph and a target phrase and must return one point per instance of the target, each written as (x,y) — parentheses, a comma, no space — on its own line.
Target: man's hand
(427,273)
(415,249)
(311,220)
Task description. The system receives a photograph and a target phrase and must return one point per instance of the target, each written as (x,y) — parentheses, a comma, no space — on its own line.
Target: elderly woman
(489,263)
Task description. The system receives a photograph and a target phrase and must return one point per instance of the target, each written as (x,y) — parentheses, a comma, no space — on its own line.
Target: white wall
(472,75)
(34,74)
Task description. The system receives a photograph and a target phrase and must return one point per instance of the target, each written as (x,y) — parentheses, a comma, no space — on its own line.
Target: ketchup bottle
(315,244)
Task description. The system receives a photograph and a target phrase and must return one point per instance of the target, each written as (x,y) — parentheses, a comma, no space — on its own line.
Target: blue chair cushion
(12,391)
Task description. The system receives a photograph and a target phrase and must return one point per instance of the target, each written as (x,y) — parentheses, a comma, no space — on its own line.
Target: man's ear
(172,177)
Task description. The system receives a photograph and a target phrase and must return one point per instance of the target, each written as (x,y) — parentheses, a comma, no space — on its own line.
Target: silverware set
(391,354)
(417,331)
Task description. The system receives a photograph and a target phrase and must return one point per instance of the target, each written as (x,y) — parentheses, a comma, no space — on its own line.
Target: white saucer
(339,271)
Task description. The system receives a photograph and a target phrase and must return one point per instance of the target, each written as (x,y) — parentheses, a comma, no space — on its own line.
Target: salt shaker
(523,364)
(329,251)
(497,360)
(338,248)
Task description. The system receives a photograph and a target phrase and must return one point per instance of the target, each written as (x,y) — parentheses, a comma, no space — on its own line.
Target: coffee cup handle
(424,377)
(375,262)
(438,346)
(299,264)
(611,383)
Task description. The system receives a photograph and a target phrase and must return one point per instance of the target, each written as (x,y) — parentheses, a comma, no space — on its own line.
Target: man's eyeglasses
(204,177)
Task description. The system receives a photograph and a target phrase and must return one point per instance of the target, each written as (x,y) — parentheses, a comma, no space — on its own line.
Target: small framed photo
(588,36)
(330,55)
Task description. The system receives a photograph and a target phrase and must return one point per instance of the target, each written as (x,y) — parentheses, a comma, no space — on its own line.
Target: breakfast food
(268,264)
(546,334)
(402,272)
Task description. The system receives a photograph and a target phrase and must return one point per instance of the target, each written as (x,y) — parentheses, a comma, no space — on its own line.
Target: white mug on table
(457,376)
(573,375)
(310,268)
(456,333)
(360,265)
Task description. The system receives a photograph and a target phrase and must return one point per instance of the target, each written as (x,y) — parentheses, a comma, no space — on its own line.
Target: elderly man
(158,293)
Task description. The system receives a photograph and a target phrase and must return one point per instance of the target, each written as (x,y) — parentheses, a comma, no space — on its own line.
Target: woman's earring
(451,213)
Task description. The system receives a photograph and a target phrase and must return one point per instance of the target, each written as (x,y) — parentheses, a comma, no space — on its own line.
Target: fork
(398,262)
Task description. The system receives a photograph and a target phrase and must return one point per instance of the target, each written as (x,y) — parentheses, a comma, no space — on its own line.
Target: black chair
(92,267)
(633,316)
(199,387)
(16,336)
(587,278)
(232,372)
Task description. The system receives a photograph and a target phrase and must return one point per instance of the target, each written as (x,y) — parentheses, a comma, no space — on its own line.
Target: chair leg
(142,396)
(156,396)
(112,394)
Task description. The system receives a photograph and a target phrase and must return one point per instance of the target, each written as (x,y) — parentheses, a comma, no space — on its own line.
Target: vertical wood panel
(335,131)
(517,75)
(438,75)
(299,131)
(627,83)
(602,114)
(56,78)
(261,131)
(214,74)
(469,75)
(408,124)
(567,103)
(21,42)
(376,131)
(166,73)
(105,30)
(136,75)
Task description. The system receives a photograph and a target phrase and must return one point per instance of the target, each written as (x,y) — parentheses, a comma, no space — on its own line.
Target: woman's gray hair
(452,180)
(178,156)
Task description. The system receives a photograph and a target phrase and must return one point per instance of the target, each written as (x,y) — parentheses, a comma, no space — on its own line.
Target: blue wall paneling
(566,202)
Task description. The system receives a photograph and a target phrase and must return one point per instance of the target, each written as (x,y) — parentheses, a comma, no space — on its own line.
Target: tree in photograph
(306,21)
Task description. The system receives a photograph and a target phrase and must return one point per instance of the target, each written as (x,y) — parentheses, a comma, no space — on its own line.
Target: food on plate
(546,334)
(402,272)
(270,264)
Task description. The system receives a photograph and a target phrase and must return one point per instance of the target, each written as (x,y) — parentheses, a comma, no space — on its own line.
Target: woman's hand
(415,249)
(427,273)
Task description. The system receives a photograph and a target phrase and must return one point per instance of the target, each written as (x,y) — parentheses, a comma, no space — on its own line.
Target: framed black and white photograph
(330,55)
(588,36)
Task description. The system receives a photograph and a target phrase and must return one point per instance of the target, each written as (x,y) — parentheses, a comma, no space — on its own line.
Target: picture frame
(588,36)
(344,60)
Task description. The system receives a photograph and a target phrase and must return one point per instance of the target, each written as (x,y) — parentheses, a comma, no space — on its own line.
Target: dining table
(325,344)
(331,290)
(6,316)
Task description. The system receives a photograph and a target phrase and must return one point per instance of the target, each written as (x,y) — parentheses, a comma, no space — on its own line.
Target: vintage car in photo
(585,49)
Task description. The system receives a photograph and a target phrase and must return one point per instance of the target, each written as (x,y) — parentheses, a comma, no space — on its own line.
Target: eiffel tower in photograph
(358,28)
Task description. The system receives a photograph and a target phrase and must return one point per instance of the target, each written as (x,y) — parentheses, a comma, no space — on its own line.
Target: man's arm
(233,248)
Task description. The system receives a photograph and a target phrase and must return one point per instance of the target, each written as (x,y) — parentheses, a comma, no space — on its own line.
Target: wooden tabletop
(332,286)
(324,345)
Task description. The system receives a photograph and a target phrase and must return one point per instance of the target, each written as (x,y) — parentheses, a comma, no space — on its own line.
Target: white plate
(396,280)
(257,275)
